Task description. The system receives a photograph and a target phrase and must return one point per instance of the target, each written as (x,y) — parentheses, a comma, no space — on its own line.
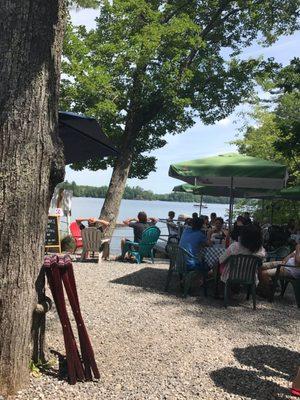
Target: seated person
(217,235)
(189,221)
(250,243)
(291,226)
(171,216)
(138,224)
(287,269)
(213,217)
(192,239)
(171,225)
(100,224)
(237,226)
(295,237)
(206,224)
(247,218)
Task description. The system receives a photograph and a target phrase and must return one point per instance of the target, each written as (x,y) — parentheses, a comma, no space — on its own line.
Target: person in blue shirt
(192,239)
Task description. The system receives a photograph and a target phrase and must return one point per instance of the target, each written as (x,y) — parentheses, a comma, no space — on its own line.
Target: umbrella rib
(88,136)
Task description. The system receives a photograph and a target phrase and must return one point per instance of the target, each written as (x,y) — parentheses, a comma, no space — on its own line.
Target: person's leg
(270,265)
(267,271)
(105,254)
(266,276)
(123,251)
(125,246)
(122,244)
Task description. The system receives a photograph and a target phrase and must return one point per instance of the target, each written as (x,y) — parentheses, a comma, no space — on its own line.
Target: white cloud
(224,122)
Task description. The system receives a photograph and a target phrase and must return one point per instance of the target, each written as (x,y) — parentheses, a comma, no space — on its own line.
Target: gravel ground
(155,345)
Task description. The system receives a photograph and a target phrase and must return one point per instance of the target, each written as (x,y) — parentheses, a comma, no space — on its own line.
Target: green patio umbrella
(291,193)
(233,171)
(224,191)
(218,191)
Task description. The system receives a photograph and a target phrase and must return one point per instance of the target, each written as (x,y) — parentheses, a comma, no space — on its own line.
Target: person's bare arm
(103,222)
(127,221)
(286,259)
(80,219)
(154,220)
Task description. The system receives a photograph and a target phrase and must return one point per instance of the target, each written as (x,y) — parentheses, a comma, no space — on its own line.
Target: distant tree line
(138,193)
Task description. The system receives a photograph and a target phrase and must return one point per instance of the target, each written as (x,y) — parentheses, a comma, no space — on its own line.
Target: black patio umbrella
(83,138)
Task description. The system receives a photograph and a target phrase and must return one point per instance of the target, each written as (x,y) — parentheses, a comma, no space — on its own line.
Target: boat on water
(198,205)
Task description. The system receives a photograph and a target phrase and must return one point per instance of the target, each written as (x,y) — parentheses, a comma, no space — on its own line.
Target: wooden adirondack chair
(242,270)
(145,247)
(92,239)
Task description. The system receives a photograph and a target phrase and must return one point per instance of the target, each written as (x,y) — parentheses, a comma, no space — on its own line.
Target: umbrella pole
(200,209)
(231,203)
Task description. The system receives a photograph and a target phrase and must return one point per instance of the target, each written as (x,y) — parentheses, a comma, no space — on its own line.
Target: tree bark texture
(111,205)
(134,123)
(31,164)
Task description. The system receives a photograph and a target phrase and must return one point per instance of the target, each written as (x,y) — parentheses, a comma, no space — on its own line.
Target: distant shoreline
(208,201)
(138,193)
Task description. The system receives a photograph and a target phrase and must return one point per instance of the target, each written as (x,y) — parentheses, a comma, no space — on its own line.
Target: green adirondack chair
(242,270)
(146,245)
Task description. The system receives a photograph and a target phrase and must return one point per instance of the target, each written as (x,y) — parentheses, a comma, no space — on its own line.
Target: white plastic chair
(92,239)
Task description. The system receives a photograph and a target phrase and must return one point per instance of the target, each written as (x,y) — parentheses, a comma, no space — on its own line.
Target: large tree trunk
(31,164)
(110,209)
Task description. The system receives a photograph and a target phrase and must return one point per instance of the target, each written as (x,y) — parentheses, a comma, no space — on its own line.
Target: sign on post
(52,239)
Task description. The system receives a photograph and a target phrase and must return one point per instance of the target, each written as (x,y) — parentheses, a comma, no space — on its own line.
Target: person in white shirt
(217,235)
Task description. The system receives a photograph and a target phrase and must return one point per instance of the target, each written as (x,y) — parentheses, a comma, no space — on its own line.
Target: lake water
(91,207)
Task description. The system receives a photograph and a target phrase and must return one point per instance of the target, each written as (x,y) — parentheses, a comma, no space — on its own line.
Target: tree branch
(175,12)
(204,34)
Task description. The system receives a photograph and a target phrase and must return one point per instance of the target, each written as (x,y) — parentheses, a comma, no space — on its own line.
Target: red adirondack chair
(76,234)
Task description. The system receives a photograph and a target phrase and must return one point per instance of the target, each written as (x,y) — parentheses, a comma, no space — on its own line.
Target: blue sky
(199,141)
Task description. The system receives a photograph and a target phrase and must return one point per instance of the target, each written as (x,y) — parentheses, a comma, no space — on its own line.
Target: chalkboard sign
(52,233)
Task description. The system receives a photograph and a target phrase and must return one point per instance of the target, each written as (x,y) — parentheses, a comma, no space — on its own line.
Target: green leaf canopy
(237,170)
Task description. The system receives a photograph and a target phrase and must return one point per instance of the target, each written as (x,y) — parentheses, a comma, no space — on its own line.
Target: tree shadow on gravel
(154,280)
(270,362)
(148,278)
(267,320)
